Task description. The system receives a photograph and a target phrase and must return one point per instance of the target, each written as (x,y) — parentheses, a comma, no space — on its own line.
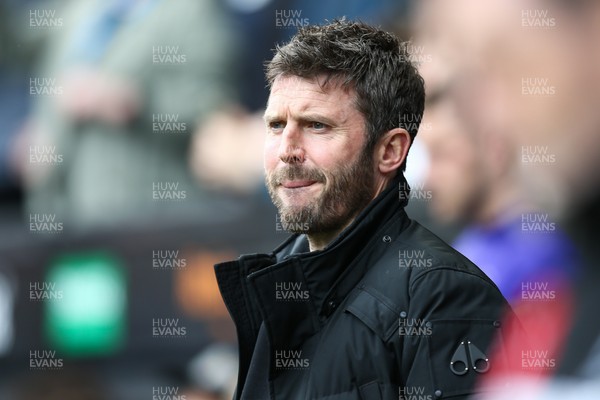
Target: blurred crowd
(148,113)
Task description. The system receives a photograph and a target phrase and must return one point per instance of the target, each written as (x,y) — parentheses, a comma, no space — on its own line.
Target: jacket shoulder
(418,258)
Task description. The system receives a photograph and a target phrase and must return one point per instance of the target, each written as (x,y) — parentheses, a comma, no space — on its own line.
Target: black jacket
(385,310)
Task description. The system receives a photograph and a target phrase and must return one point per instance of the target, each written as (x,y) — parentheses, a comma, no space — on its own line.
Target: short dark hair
(390,92)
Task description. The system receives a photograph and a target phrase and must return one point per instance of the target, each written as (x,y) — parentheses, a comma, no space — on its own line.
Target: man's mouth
(297,184)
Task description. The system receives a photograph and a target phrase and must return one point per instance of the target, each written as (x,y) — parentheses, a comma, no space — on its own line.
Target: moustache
(294,172)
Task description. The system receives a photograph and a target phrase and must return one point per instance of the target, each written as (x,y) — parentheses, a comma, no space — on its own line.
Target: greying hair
(390,92)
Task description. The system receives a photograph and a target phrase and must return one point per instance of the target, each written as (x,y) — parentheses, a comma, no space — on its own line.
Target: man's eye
(276,125)
(318,125)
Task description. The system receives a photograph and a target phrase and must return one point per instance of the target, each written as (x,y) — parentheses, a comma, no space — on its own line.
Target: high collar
(296,290)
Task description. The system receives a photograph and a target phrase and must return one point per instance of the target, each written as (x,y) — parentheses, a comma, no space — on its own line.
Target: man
(361,302)
(557,43)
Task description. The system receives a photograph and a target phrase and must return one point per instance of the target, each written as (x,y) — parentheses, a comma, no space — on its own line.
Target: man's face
(456,170)
(503,64)
(317,173)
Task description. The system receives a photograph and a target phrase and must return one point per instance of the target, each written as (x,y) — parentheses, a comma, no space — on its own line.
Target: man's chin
(298,221)
(446,215)
(295,214)
(298,195)
(298,200)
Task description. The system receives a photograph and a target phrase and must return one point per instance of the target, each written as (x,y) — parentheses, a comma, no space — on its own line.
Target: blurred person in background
(531,68)
(118,93)
(473,175)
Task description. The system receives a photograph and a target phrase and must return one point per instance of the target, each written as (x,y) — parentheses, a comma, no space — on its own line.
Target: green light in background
(89,319)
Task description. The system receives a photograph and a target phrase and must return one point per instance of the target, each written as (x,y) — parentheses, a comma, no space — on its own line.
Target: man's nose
(291,149)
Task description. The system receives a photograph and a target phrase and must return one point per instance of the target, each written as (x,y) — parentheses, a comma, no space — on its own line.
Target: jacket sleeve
(446,333)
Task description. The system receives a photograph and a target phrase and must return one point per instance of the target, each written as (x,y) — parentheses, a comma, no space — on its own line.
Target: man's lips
(296,184)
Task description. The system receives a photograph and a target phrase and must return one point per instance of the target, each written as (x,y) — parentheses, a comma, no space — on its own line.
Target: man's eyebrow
(309,117)
(439,93)
(304,117)
(269,116)
(433,97)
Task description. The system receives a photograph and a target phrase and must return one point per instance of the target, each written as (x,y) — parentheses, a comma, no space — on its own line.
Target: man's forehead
(306,93)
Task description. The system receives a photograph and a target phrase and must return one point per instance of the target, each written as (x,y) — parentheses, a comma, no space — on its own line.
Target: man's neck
(318,241)
(503,203)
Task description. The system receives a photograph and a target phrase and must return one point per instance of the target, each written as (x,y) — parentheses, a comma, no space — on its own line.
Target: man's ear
(391,150)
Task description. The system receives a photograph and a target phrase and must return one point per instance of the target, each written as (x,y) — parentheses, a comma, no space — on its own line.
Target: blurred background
(131,162)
